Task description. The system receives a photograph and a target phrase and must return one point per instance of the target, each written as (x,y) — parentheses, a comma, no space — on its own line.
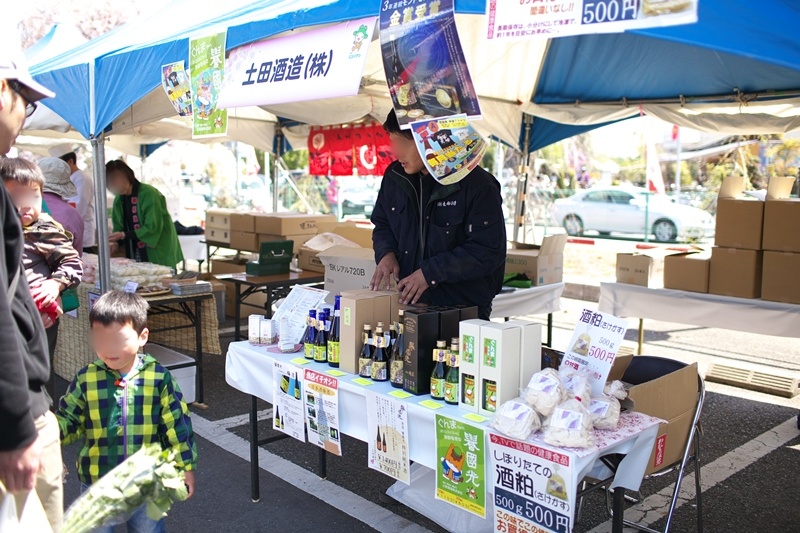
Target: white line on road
(337,497)
(653,508)
(240,420)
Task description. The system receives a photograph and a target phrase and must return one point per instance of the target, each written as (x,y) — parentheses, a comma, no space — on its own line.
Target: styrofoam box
(182,367)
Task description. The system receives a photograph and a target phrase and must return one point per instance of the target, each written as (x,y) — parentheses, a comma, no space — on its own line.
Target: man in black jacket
(444,245)
(29,441)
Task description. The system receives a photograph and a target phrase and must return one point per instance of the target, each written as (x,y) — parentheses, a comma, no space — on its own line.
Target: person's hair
(118,165)
(392,126)
(69,156)
(117,307)
(21,171)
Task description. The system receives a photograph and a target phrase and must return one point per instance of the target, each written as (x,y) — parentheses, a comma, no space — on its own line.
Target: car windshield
(596,196)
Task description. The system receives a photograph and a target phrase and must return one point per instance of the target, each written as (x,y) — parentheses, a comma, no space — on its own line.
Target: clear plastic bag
(544,391)
(605,412)
(570,426)
(615,389)
(578,385)
(516,419)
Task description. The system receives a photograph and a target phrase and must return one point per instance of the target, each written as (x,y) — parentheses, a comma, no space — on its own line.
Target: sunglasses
(30,107)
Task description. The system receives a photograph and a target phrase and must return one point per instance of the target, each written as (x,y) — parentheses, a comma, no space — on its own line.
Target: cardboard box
(228,266)
(361,234)
(307,259)
(218,218)
(356,310)
(672,398)
(780,281)
(244,222)
(421,334)
(735,272)
(244,241)
(449,319)
(500,364)
(687,271)
(290,223)
(542,264)
(470,367)
(468,312)
(781,217)
(646,270)
(218,235)
(347,269)
(298,240)
(740,219)
(530,350)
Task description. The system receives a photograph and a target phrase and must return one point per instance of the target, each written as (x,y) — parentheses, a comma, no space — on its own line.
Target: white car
(626,210)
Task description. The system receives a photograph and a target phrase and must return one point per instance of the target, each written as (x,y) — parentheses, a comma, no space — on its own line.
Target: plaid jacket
(116,417)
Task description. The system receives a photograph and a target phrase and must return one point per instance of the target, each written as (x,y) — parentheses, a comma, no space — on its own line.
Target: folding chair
(644,368)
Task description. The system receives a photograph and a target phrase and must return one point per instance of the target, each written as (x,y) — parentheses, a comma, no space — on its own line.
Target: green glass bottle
(321,344)
(451,381)
(438,375)
(396,359)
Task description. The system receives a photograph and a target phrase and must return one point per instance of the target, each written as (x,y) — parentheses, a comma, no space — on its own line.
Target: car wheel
(573,224)
(665,231)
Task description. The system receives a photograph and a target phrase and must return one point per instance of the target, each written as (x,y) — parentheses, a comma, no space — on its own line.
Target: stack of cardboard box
(543,264)
(218,225)
(294,227)
(360,234)
(781,244)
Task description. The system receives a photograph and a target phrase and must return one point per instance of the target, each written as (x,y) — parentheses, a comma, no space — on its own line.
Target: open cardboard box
(781,217)
(672,398)
(543,264)
(361,234)
(645,268)
(741,219)
(347,268)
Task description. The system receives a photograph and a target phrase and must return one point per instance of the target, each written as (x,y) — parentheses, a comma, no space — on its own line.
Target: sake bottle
(438,376)
(451,381)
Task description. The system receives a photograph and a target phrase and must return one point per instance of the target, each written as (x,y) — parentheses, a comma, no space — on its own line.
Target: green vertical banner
(460,470)
(207,71)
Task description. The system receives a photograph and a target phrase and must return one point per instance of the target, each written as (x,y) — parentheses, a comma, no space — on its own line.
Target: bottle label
(308,350)
(490,396)
(437,388)
(396,372)
(364,367)
(379,371)
(320,354)
(333,351)
(450,392)
(468,390)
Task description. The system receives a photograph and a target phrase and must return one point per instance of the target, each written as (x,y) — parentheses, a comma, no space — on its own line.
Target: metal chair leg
(580,502)
(698,486)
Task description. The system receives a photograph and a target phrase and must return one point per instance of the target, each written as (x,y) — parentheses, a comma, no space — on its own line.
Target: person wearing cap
(57,189)
(83,200)
(30,449)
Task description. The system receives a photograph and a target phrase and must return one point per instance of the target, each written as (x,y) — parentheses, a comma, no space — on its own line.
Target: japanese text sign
(287,401)
(316,64)
(175,81)
(321,397)
(460,468)
(207,68)
(387,436)
(594,346)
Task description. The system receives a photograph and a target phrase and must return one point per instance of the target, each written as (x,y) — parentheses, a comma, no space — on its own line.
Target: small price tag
(363,381)
(131,287)
(300,361)
(431,404)
(475,418)
(400,394)
(336,373)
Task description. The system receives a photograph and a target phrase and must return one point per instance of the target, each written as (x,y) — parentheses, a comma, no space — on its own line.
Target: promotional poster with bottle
(450,147)
(287,401)
(387,436)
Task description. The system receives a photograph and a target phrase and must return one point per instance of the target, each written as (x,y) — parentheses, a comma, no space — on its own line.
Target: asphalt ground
(750,447)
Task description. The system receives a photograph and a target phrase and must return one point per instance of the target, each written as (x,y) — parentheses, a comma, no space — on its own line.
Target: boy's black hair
(117,307)
(21,171)
(69,156)
(392,126)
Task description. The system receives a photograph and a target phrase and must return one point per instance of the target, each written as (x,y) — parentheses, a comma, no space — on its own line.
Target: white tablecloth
(697,309)
(534,301)
(249,369)
(194,247)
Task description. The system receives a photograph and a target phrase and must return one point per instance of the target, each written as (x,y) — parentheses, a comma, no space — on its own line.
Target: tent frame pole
(522,182)
(276,166)
(101,210)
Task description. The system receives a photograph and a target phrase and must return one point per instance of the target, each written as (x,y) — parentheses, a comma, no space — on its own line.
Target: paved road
(750,452)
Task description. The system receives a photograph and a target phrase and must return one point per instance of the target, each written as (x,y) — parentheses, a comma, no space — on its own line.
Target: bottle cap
(367,326)
(441,344)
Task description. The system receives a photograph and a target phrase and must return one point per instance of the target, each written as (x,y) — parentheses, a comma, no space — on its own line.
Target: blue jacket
(456,234)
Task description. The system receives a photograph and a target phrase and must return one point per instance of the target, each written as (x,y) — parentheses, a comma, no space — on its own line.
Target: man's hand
(46,293)
(18,468)
(188,479)
(388,269)
(117,236)
(412,287)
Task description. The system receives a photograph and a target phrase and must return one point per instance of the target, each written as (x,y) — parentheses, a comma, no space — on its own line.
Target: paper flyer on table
(175,81)
(387,436)
(594,346)
(207,71)
(321,397)
(450,147)
(296,307)
(534,489)
(461,466)
(287,401)
(424,63)
(510,20)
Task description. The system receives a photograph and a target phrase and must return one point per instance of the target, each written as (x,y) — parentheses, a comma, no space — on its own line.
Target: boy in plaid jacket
(124,401)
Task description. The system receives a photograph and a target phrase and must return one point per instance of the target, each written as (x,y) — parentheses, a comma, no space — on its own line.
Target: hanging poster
(365,153)
(341,140)
(319,152)
(382,149)
(534,489)
(510,20)
(175,81)
(387,436)
(450,147)
(207,69)
(316,64)
(460,469)
(594,346)
(424,62)
(287,401)
(321,394)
